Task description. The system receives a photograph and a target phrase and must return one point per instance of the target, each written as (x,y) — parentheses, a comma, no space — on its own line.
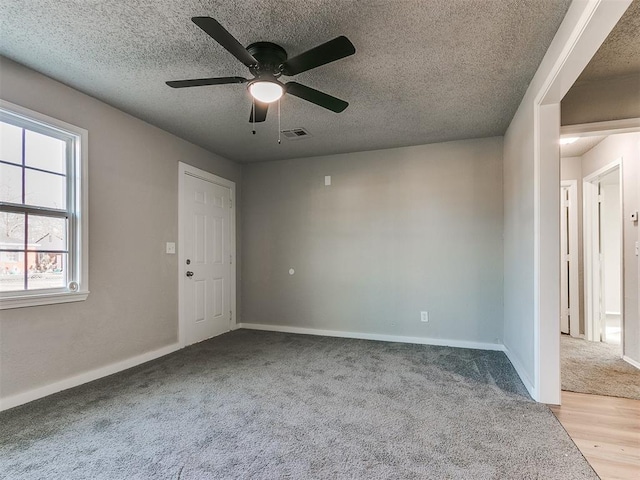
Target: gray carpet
(597,368)
(268,405)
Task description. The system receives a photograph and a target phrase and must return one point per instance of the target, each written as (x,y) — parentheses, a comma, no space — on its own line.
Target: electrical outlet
(424,316)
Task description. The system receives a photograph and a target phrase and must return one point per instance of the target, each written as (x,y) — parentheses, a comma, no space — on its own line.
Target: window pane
(10,183)
(11,230)
(11,271)
(46,270)
(47,153)
(47,233)
(10,143)
(45,189)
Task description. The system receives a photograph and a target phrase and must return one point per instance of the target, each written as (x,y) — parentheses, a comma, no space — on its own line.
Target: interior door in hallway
(569,276)
(207,264)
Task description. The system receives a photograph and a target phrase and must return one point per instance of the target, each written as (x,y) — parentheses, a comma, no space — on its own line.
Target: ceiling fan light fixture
(266,91)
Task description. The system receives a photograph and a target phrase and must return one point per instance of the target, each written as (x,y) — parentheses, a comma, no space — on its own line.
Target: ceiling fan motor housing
(270,58)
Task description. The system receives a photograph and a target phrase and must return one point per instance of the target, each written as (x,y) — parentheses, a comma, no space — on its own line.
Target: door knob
(189,274)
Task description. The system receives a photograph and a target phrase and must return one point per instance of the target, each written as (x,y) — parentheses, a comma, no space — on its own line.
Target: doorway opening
(603,255)
(600,160)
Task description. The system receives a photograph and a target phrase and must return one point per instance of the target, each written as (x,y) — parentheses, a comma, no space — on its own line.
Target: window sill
(34,300)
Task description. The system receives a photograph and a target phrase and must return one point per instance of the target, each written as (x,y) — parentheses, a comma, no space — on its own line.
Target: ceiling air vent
(296,133)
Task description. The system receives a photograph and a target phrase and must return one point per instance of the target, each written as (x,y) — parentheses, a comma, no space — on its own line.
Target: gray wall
(627,146)
(133,211)
(611,251)
(399,231)
(519,241)
(602,100)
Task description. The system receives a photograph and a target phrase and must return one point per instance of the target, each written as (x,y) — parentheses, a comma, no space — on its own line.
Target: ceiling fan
(267,62)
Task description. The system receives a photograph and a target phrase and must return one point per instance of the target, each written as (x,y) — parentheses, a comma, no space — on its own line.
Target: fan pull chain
(279,129)
(253,114)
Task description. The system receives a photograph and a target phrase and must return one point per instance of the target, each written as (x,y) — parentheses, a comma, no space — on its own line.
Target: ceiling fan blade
(216,31)
(331,51)
(260,111)
(315,96)
(199,82)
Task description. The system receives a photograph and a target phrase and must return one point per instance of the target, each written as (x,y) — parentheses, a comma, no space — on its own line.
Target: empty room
(315,239)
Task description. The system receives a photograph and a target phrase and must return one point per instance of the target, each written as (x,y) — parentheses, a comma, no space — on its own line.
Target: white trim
(574,276)
(593,21)
(626,125)
(186,169)
(608,168)
(20,301)
(521,371)
(40,392)
(374,336)
(631,361)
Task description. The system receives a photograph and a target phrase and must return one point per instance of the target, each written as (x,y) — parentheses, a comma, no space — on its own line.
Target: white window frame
(77,288)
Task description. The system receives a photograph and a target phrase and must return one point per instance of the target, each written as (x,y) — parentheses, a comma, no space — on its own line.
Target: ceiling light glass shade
(266,92)
(568,140)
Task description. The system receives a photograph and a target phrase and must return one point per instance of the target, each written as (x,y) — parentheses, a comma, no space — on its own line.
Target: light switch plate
(327,180)
(171,248)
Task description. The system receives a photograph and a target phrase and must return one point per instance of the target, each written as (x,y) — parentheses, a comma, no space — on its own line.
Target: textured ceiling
(580,146)
(425,71)
(620,53)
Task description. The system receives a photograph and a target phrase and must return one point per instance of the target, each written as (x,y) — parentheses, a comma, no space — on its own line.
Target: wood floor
(606,430)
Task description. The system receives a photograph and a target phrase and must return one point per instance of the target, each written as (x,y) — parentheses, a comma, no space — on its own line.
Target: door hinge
(230,259)
(230,203)
(230,314)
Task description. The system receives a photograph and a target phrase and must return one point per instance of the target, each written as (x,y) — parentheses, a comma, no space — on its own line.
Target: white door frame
(574,258)
(592,264)
(591,22)
(186,169)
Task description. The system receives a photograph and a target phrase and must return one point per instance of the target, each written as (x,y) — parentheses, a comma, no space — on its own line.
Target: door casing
(592,262)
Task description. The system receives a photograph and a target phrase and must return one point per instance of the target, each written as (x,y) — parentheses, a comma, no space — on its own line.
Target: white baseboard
(631,361)
(374,336)
(36,393)
(521,372)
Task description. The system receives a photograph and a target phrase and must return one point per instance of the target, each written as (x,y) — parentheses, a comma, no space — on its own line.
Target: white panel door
(207,305)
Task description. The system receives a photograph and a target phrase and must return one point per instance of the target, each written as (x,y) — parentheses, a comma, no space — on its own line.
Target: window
(43,209)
